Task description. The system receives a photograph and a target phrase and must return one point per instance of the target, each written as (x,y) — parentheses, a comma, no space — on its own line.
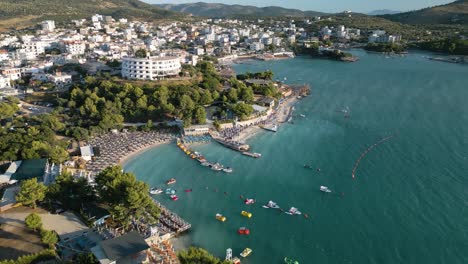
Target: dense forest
(449,45)
(385,47)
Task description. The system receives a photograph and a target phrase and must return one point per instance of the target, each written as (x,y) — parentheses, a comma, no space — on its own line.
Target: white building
(87,153)
(150,68)
(75,47)
(4,55)
(11,73)
(256,46)
(60,80)
(4,82)
(48,25)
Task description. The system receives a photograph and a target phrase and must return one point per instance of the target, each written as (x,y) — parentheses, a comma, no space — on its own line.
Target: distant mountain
(383,12)
(223,10)
(20,13)
(453,13)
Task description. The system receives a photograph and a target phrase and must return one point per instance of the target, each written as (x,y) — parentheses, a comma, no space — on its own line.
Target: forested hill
(21,13)
(223,10)
(453,13)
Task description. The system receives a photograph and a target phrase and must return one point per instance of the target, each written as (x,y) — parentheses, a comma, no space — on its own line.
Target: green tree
(49,237)
(31,192)
(198,256)
(85,258)
(200,115)
(33,221)
(141,53)
(242,110)
(127,197)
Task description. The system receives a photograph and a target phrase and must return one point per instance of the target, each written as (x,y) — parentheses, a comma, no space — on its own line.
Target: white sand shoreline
(132,155)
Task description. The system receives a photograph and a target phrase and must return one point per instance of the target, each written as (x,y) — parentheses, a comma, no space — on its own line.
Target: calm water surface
(408,202)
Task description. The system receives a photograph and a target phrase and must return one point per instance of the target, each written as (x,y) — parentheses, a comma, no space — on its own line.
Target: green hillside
(23,13)
(222,10)
(453,13)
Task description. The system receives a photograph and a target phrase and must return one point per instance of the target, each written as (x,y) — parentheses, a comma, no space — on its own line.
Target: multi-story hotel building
(150,68)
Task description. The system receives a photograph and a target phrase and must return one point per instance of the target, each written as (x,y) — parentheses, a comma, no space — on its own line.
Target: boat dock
(169,222)
(199,157)
(235,145)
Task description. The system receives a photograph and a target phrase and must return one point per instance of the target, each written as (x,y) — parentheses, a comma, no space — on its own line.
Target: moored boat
(171,181)
(170,191)
(271,204)
(220,217)
(243,231)
(246,214)
(290,261)
(246,252)
(216,167)
(227,170)
(235,260)
(155,191)
(325,189)
(249,201)
(293,211)
(188,190)
(253,155)
(174,197)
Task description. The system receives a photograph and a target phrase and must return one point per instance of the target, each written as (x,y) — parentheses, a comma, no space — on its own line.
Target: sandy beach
(280,116)
(131,155)
(248,133)
(284,110)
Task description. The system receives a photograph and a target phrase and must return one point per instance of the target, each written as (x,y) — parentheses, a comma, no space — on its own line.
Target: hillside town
(37,56)
(85,96)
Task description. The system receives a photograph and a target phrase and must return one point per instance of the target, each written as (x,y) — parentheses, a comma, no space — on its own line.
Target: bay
(408,202)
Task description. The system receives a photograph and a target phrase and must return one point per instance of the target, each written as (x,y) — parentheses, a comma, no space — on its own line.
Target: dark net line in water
(363,154)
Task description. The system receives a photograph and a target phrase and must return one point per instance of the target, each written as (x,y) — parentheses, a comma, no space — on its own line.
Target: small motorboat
(293,211)
(249,201)
(246,252)
(243,231)
(307,166)
(272,205)
(174,197)
(302,115)
(228,169)
(290,261)
(325,189)
(156,191)
(171,181)
(235,260)
(216,167)
(246,214)
(220,217)
(206,164)
(170,191)
(188,190)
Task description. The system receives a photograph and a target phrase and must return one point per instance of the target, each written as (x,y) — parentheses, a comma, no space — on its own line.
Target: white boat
(246,252)
(156,191)
(228,170)
(302,115)
(272,128)
(216,167)
(206,164)
(325,189)
(170,191)
(293,211)
(271,204)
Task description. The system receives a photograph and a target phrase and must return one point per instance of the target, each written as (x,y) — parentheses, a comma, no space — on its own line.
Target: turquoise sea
(408,202)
